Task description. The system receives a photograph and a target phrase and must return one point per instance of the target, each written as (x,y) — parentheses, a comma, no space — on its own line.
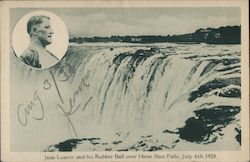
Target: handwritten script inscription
(67,106)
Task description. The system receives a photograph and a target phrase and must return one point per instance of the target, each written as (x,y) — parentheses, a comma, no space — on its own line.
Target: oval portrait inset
(40,39)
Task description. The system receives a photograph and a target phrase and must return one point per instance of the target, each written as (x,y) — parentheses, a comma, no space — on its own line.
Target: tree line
(222,35)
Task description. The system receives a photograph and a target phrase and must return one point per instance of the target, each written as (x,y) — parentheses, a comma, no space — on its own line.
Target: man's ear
(34,31)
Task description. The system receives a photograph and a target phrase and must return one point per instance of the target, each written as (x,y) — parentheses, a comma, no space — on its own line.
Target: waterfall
(145,90)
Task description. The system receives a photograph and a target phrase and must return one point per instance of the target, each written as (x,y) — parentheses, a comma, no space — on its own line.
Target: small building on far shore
(133,39)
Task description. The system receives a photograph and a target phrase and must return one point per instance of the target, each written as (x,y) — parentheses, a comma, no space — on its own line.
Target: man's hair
(35,20)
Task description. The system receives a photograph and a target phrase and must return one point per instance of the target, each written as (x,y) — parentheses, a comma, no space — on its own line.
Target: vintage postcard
(124,81)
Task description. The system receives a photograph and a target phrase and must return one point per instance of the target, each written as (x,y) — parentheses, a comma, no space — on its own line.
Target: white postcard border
(242,155)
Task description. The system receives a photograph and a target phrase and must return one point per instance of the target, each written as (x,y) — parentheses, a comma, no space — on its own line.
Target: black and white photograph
(127,79)
(36,43)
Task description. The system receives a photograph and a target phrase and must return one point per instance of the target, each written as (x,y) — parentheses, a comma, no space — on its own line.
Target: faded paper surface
(127,89)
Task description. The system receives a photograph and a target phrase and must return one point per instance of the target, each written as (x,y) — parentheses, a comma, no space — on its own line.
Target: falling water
(155,97)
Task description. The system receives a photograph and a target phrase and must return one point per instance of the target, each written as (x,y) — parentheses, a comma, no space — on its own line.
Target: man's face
(44,32)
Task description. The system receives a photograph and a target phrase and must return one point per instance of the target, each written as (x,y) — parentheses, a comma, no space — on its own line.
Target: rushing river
(149,97)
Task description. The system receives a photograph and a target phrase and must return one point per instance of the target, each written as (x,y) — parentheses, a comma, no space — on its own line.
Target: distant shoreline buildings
(222,35)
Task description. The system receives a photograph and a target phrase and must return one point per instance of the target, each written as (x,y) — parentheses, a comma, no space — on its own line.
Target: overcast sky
(139,21)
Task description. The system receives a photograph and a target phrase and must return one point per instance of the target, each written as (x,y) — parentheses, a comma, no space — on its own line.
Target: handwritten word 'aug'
(27,110)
